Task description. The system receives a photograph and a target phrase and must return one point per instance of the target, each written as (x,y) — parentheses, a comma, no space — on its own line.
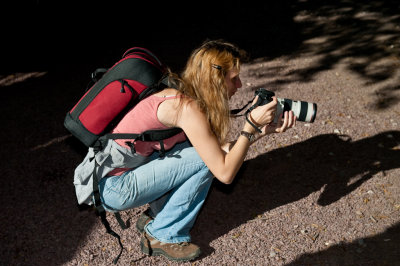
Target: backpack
(137,75)
(111,95)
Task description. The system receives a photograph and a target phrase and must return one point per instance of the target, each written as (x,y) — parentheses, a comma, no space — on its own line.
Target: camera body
(304,111)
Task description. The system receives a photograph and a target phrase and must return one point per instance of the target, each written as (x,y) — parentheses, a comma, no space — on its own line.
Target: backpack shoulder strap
(149,135)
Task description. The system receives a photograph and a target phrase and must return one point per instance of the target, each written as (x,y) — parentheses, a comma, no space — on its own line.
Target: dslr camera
(304,111)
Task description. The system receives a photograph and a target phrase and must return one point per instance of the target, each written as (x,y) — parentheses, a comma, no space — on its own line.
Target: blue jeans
(175,186)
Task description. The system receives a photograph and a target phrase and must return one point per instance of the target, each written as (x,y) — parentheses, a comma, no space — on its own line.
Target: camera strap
(238,110)
(235,112)
(251,123)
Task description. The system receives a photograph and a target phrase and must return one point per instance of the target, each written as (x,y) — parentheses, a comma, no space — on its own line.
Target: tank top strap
(157,100)
(172,96)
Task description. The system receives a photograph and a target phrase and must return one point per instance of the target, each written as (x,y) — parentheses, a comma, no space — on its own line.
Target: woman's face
(232,82)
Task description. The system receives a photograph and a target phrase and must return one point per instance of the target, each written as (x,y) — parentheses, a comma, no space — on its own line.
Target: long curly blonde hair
(204,81)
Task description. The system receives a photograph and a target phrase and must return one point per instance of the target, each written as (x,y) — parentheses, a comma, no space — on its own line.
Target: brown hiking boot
(183,251)
(143,219)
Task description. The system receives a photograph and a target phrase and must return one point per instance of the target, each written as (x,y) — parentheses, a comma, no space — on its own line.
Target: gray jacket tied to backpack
(110,157)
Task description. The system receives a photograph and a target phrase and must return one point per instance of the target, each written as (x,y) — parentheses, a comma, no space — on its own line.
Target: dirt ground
(323,193)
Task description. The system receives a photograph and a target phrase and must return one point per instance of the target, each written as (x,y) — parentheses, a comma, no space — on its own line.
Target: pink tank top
(141,118)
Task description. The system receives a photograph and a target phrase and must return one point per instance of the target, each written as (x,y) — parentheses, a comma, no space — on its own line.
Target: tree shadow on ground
(333,30)
(362,36)
(366,32)
(285,175)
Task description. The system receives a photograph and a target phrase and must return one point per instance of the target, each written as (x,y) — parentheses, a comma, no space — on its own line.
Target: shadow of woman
(330,162)
(381,249)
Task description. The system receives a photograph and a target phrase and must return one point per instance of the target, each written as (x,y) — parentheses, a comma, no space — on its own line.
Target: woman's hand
(286,120)
(264,114)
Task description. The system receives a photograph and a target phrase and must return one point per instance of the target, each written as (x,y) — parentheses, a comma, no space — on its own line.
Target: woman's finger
(285,122)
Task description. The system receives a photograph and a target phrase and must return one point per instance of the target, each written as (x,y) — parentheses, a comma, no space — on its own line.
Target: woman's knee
(196,159)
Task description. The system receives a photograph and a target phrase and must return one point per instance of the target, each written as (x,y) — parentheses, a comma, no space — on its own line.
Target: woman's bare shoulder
(175,109)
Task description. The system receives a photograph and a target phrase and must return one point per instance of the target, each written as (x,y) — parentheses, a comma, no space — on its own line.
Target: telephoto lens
(304,111)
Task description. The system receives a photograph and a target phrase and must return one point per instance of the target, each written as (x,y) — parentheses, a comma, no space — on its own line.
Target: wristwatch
(248,135)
